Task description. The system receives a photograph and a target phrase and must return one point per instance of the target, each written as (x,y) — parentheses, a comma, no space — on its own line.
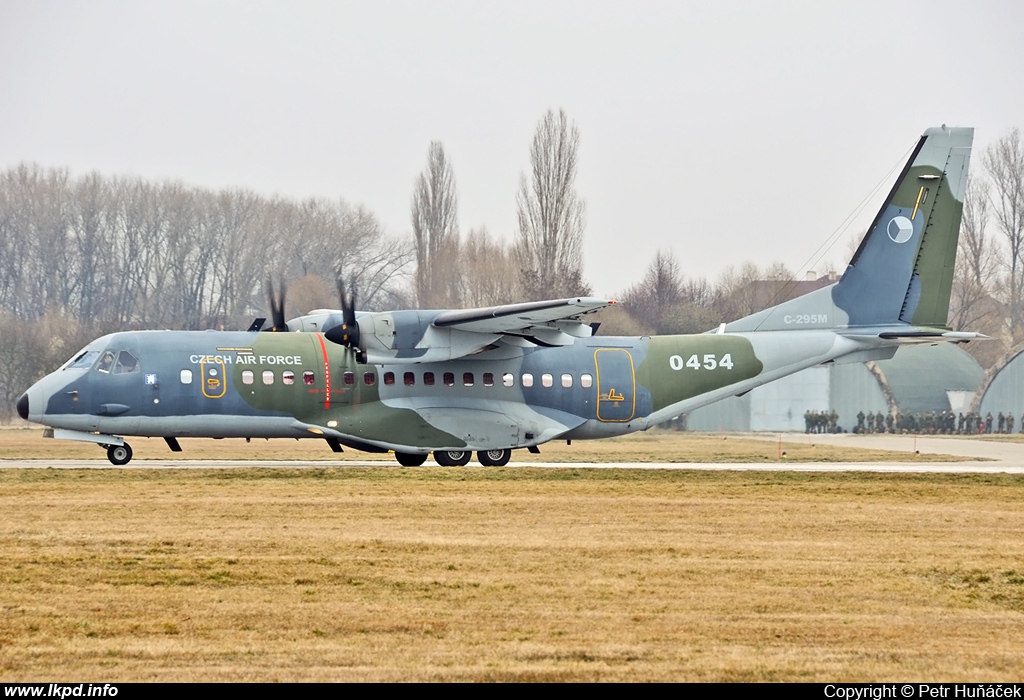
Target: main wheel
(407,459)
(452,458)
(119,454)
(493,458)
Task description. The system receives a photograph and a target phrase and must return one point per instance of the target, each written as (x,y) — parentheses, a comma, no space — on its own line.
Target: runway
(996,457)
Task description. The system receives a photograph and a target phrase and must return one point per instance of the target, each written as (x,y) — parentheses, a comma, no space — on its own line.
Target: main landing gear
(119,455)
(493,458)
(456,458)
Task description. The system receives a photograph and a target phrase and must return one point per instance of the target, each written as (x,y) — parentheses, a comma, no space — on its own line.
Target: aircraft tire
(119,455)
(493,458)
(452,458)
(407,459)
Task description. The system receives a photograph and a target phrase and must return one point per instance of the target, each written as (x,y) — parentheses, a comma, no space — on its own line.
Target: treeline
(122,253)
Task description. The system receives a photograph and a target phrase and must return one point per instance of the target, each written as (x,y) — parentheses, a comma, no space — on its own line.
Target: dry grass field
(349,574)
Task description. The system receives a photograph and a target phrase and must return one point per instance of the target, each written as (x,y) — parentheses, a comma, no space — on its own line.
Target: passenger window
(288,377)
(369,378)
(488,379)
(428,379)
(247,376)
(449,379)
(467,378)
(567,380)
(268,377)
(308,378)
(350,378)
(409,378)
(508,379)
(186,376)
(546,379)
(126,363)
(586,381)
(389,379)
(527,379)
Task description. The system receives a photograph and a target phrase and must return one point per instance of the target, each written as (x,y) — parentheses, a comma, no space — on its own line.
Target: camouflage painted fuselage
(236,384)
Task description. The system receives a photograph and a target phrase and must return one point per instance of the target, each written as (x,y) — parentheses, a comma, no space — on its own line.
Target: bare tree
(661,289)
(489,272)
(1004,161)
(973,279)
(551,216)
(435,227)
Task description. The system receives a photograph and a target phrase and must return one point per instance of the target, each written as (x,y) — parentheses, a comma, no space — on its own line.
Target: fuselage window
(186,376)
(247,376)
(527,379)
(428,379)
(567,380)
(546,379)
(369,378)
(508,379)
(467,378)
(449,379)
(288,377)
(308,378)
(586,381)
(389,379)
(488,379)
(126,363)
(409,378)
(350,378)
(268,377)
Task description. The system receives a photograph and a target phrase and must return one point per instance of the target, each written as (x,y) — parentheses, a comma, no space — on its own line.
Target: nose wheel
(119,455)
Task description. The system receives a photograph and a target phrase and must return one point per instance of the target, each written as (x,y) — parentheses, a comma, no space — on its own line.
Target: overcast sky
(722,131)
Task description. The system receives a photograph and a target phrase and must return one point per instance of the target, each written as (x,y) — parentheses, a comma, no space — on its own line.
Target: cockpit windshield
(82,360)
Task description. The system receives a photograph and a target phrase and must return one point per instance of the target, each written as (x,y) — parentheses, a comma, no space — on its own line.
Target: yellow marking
(213,384)
(917,203)
(234,349)
(613,397)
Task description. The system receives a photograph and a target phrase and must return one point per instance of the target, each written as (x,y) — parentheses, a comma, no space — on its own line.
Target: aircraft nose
(22,406)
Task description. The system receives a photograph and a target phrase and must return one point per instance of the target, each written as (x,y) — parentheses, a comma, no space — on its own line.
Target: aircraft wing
(531,319)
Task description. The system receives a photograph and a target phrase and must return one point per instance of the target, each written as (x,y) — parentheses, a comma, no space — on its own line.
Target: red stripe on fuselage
(327,372)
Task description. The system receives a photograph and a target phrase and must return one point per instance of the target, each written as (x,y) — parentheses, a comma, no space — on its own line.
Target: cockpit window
(126,363)
(106,362)
(83,360)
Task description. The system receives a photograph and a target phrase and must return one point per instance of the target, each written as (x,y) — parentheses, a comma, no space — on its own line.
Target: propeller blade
(276,307)
(347,333)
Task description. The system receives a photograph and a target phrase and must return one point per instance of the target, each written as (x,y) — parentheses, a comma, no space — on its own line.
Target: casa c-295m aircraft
(496,379)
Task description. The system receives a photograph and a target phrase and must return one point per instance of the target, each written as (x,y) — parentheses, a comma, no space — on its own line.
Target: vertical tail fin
(903,270)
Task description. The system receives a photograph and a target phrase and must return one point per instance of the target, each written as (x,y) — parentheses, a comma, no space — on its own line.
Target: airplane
(491,380)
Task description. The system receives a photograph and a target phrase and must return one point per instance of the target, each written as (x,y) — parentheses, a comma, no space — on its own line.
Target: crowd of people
(928,423)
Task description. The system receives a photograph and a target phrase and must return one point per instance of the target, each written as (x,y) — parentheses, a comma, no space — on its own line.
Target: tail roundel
(902,273)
